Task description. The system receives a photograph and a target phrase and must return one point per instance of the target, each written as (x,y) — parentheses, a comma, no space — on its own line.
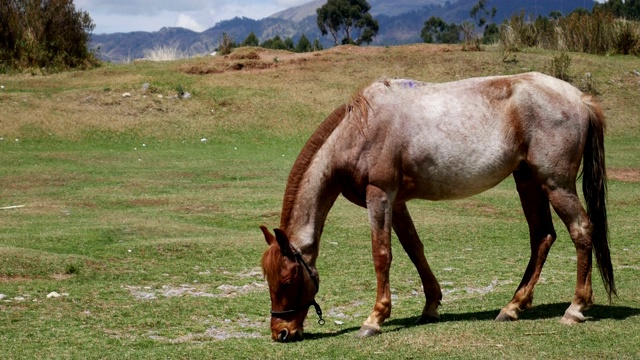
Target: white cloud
(151,15)
(188,22)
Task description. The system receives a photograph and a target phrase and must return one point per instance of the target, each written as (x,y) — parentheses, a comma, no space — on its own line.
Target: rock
(126,95)
(185,95)
(636,72)
(145,87)
(3,296)
(53,294)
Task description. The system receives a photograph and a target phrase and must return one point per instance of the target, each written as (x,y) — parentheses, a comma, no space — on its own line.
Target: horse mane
(271,263)
(304,159)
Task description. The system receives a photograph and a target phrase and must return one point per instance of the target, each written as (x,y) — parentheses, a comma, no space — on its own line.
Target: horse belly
(456,170)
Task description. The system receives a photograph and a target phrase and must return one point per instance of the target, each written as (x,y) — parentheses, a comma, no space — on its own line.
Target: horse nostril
(282,336)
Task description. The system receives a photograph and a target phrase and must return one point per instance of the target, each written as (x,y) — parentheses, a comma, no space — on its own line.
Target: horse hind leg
(567,205)
(406,231)
(535,204)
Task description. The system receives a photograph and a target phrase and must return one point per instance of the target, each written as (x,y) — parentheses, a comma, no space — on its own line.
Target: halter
(313,302)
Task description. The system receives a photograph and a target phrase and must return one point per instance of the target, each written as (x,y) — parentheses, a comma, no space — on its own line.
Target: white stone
(53,294)
(126,95)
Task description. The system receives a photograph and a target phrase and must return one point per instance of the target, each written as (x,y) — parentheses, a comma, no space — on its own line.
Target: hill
(134,231)
(400,23)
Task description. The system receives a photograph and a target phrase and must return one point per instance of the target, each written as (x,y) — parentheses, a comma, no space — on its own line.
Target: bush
(164,53)
(49,34)
(225,44)
(627,37)
(595,33)
(559,67)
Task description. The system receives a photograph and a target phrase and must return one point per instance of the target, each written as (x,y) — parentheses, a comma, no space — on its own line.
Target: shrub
(627,37)
(559,67)
(49,34)
(225,44)
(595,33)
(164,53)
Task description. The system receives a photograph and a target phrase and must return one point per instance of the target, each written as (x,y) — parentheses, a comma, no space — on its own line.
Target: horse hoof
(504,316)
(573,315)
(366,331)
(570,319)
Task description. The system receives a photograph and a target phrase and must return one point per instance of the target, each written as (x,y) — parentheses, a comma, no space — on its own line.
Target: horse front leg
(408,236)
(380,217)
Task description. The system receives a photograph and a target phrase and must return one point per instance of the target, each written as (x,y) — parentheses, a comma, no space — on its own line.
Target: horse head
(292,286)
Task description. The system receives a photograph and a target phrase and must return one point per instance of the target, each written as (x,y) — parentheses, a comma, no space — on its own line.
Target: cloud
(145,7)
(152,15)
(188,22)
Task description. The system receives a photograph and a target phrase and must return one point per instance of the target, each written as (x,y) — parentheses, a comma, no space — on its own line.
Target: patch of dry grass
(263,89)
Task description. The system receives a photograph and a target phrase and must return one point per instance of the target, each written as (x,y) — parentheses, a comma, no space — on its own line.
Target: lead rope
(319,312)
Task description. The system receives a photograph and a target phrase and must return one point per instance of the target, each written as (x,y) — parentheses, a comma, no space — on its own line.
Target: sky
(111,16)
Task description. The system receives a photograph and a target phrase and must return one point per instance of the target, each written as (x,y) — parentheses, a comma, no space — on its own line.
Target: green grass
(155,248)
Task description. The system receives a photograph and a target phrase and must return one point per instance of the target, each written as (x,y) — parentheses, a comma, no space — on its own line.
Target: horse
(400,139)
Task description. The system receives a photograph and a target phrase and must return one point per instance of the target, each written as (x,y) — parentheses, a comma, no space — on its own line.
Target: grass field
(142,212)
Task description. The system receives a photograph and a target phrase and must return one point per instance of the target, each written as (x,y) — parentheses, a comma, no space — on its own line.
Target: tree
(555,14)
(341,18)
(289,44)
(49,34)
(435,30)
(225,44)
(628,9)
(480,13)
(316,45)
(303,44)
(251,40)
(275,43)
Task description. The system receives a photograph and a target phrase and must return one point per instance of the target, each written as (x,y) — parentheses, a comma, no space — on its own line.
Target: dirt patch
(199,209)
(146,202)
(480,207)
(201,69)
(250,55)
(149,293)
(625,175)
(7,279)
(200,290)
(212,333)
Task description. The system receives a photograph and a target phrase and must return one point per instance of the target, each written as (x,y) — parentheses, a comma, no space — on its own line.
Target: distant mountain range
(400,23)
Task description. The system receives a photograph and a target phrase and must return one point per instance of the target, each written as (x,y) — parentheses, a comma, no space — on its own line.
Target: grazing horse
(399,140)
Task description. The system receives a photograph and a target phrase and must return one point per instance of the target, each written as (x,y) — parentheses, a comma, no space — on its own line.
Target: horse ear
(283,241)
(267,235)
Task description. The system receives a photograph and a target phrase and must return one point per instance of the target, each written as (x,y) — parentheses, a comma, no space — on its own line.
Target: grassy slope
(123,199)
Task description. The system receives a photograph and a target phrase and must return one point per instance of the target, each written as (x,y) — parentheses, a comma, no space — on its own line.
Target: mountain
(400,23)
(378,7)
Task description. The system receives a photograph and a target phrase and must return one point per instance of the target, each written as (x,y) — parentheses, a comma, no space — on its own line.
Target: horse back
(453,140)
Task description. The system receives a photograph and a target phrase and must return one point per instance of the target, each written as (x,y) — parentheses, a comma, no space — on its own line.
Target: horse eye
(286,283)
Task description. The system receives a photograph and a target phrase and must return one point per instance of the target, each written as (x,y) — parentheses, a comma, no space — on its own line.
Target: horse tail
(594,188)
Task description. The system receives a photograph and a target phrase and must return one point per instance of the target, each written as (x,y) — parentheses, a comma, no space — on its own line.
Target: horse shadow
(540,312)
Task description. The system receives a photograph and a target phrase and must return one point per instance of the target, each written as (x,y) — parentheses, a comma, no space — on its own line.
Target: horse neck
(310,194)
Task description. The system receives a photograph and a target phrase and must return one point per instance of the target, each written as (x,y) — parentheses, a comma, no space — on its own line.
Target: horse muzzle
(286,335)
